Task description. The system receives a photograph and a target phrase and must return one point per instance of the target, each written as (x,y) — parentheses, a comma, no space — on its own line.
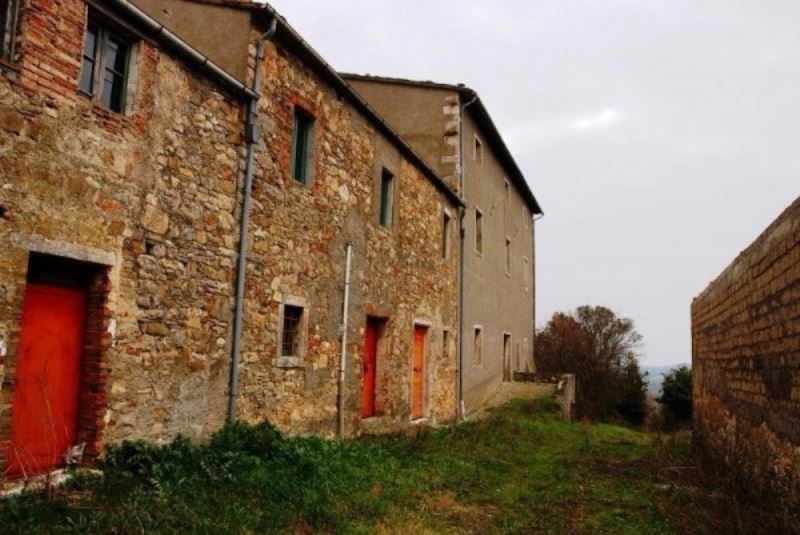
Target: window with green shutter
(301,145)
(8,28)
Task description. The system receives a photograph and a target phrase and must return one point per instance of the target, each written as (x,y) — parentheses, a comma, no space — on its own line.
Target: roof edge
(289,35)
(170,41)
(484,120)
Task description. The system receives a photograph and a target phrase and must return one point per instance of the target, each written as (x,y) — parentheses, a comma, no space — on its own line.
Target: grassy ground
(522,470)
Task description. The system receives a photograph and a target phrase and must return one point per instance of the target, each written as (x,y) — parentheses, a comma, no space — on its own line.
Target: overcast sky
(660,136)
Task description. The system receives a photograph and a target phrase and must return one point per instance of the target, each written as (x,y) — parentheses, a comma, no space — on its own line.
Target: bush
(600,349)
(676,395)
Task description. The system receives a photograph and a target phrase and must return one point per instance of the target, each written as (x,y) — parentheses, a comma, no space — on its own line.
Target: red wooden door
(370,361)
(418,374)
(44,417)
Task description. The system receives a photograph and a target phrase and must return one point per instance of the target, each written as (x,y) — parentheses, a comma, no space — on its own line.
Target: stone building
(330,176)
(120,158)
(128,155)
(451,128)
(746,368)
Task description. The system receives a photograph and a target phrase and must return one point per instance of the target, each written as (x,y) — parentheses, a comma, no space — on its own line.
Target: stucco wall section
(299,238)
(426,118)
(154,191)
(498,300)
(746,356)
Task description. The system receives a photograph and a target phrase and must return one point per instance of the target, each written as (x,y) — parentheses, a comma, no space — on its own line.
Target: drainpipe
(345,317)
(462,261)
(252,134)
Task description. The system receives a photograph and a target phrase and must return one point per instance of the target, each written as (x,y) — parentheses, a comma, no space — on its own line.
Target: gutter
(161,34)
(252,135)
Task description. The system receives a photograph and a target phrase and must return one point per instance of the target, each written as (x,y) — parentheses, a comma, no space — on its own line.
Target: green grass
(522,470)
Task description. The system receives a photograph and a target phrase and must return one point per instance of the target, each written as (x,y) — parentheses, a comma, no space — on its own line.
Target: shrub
(676,395)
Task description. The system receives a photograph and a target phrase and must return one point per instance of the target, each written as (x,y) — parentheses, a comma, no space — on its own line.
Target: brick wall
(746,355)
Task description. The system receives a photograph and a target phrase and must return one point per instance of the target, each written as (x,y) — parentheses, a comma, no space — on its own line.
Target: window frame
(106,33)
(386,198)
(9,20)
(302,169)
(292,361)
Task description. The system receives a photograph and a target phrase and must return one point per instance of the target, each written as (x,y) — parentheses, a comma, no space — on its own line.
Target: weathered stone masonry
(299,238)
(149,199)
(746,356)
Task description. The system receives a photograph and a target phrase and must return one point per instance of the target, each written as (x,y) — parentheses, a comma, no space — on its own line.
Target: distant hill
(655,376)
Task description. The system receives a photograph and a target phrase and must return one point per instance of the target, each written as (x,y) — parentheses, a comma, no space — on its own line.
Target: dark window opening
(8,28)
(387,198)
(446,224)
(478,150)
(291,339)
(48,269)
(479,231)
(508,255)
(301,144)
(104,70)
(477,346)
(3,212)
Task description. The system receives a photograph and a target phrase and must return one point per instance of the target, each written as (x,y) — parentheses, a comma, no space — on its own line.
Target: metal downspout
(462,261)
(252,135)
(345,317)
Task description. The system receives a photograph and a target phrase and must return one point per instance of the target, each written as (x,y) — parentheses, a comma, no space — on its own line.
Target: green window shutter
(300,146)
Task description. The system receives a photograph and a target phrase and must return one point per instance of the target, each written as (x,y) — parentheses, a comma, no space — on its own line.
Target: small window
(477,346)
(478,231)
(508,256)
(445,343)
(301,145)
(292,338)
(8,28)
(478,155)
(387,198)
(104,69)
(446,230)
(526,274)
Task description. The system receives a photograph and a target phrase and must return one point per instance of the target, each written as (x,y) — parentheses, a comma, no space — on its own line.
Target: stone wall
(746,357)
(149,197)
(299,237)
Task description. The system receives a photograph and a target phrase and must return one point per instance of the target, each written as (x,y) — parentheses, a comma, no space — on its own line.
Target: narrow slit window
(446,231)
(526,274)
(387,198)
(8,28)
(479,231)
(291,334)
(301,145)
(104,66)
(478,150)
(477,346)
(508,256)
